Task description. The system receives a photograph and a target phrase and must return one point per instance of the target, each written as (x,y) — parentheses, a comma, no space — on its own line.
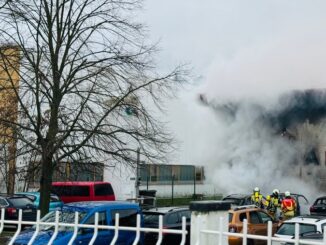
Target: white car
(307,224)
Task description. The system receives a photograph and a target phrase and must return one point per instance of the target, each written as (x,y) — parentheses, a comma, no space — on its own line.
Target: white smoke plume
(254,97)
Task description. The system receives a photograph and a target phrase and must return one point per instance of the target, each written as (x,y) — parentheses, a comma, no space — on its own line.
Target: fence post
(209,213)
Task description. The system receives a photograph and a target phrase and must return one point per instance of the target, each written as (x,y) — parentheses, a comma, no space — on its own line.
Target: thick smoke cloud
(267,146)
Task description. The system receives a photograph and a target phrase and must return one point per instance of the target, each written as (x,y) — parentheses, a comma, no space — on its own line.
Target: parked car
(12,204)
(172,219)
(319,206)
(257,223)
(309,237)
(55,201)
(238,199)
(107,211)
(307,225)
(78,191)
(302,203)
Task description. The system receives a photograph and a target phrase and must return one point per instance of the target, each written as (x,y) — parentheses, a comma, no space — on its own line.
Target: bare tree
(84,67)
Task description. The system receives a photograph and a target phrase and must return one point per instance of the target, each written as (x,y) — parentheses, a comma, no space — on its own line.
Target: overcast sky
(237,48)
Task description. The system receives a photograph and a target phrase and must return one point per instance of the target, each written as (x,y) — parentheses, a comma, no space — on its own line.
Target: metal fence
(76,225)
(220,234)
(269,238)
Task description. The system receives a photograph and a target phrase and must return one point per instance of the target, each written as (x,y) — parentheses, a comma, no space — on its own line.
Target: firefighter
(288,206)
(273,203)
(257,198)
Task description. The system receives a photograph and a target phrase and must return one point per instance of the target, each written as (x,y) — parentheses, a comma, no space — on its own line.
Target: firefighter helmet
(287,194)
(276,191)
(256,189)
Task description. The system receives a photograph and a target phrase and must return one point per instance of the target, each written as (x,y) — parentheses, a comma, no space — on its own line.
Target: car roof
(307,219)
(237,196)
(34,193)
(4,195)
(164,210)
(79,183)
(322,197)
(245,208)
(89,205)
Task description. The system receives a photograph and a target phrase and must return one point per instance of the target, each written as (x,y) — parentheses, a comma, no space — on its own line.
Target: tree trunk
(45,185)
(12,167)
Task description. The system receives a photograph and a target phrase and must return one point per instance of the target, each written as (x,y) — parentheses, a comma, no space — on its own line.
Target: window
(163,174)
(254,218)
(186,214)
(264,217)
(173,218)
(127,217)
(3,202)
(288,229)
(242,216)
(187,173)
(70,190)
(31,197)
(20,201)
(230,217)
(102,220)
(103,189)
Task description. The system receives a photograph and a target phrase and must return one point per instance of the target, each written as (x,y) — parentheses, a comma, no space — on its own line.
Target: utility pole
(137,182)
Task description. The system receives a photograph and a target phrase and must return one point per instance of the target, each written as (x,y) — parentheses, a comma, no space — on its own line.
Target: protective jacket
(288,207)
(273,204)
(257,199)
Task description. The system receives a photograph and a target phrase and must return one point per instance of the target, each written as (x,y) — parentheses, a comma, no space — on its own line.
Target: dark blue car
(106,209)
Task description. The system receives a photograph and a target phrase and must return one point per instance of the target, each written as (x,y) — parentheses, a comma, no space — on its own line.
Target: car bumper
(235,240)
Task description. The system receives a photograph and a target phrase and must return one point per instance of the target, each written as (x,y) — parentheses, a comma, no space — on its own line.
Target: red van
(76,191)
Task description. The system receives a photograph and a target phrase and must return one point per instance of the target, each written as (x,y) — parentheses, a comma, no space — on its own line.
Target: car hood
(42,238)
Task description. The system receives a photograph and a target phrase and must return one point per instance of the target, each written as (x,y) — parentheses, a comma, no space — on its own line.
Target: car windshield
(20,202)
(64,217)
(151,218)
(288,229)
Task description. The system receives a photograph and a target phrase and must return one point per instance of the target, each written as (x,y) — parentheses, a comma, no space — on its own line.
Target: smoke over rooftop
(269,145)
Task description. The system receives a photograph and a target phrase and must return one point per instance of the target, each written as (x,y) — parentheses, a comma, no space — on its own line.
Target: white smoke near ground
(250,151)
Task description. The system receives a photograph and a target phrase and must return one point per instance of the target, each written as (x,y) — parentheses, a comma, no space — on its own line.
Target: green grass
(182,201)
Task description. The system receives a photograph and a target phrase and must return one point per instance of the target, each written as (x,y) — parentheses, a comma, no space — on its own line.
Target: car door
(303,205)
(85,234)
(127,218)
(256,225)
(172,221)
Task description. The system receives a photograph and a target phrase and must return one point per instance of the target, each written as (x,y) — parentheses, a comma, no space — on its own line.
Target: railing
(270,239)
(116,228)
(220,234)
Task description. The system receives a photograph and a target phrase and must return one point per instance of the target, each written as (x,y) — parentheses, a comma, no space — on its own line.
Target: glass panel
(254,218)
(127,217)
(187,173)
(173,218)
(242,216)
(101,219)
(165,173)
(19,202)
(264,217)
(288,229)
(70,190)
(64,217)
(103,189)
